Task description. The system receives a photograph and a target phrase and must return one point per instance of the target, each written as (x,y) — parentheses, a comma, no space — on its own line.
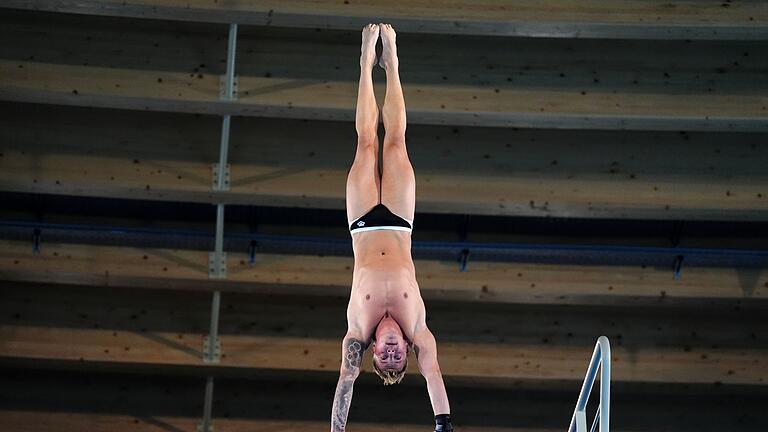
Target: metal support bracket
(678,266)
(36,240)
(217,269)
(207,349)
(463,260)
(202,428)
(252,252)
(215,172)
(223,88)
(212,343)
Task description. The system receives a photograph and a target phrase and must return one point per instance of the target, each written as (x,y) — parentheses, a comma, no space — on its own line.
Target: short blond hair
(390,377)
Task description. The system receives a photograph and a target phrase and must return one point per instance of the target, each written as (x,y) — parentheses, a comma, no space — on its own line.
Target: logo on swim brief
(361,223)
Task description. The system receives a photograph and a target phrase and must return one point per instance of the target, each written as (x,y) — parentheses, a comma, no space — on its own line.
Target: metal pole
(207,425)
(218,248)
(221,181)
(605,383)
(221,175)
(231,47)
(601,358)
(595,421)
(212,348)
(218,265)
(228,95)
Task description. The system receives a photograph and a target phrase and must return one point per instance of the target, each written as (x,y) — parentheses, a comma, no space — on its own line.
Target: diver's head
(390,351)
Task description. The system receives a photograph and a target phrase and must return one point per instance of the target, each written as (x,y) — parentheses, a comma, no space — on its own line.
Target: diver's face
(390,348)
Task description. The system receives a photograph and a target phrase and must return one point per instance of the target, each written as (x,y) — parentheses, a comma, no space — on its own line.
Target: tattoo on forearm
(341,403)
(353,355)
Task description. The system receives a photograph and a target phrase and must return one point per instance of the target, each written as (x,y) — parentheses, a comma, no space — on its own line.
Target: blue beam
(305,245)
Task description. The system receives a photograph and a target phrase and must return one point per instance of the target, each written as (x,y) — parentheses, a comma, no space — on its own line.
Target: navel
(405,295)
(367,296)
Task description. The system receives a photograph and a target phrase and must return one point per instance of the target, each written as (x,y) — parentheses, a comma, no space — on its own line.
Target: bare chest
(376,293)
(387,293)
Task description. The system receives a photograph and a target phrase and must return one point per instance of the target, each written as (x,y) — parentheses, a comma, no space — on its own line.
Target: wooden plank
(65,213)
(267,337)
(102,399)
(594,174)
(635,70)
(682,328)
(43,421)
(626,19)
(465,360)
(335,100)
(271,405)
(588,65)
(313,275)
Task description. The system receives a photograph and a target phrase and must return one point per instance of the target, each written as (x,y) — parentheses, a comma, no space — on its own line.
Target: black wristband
(443,423)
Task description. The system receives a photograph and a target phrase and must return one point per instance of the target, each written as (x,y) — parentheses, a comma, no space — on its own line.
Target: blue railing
(601,359)
(464,252)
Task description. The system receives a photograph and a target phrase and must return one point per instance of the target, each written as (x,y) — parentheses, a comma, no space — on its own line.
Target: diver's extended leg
(398,183)
(363,179)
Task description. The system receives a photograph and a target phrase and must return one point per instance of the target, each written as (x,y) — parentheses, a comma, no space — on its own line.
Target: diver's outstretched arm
(425,347)
(352,349)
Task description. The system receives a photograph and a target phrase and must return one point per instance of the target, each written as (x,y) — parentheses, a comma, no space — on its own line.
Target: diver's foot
(368,46)
(388,59)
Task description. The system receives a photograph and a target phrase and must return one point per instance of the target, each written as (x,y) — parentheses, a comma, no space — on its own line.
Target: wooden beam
(312,275)
(464,360)
(104,402)
(45,421)
(152,392)
(85,330)
(317,99)
(683,328)
(594,174)
(640,86)
(623,19)
(591,66)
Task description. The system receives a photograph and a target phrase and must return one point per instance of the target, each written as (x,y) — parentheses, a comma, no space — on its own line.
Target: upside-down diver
(385,308)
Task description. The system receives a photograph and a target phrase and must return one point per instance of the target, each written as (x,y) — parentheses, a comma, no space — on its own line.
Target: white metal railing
(601,359)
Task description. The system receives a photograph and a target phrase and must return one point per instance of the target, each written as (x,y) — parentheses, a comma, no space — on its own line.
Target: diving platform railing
(601,359)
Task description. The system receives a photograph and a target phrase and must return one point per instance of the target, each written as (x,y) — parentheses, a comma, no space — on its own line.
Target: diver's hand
(443,423)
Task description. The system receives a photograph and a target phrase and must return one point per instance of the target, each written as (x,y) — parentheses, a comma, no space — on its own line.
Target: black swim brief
(380,218)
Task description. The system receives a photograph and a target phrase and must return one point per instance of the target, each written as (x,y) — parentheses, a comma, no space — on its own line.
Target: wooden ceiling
(634,113)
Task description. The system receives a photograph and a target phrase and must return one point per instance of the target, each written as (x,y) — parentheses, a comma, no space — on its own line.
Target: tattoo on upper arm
(353,353)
